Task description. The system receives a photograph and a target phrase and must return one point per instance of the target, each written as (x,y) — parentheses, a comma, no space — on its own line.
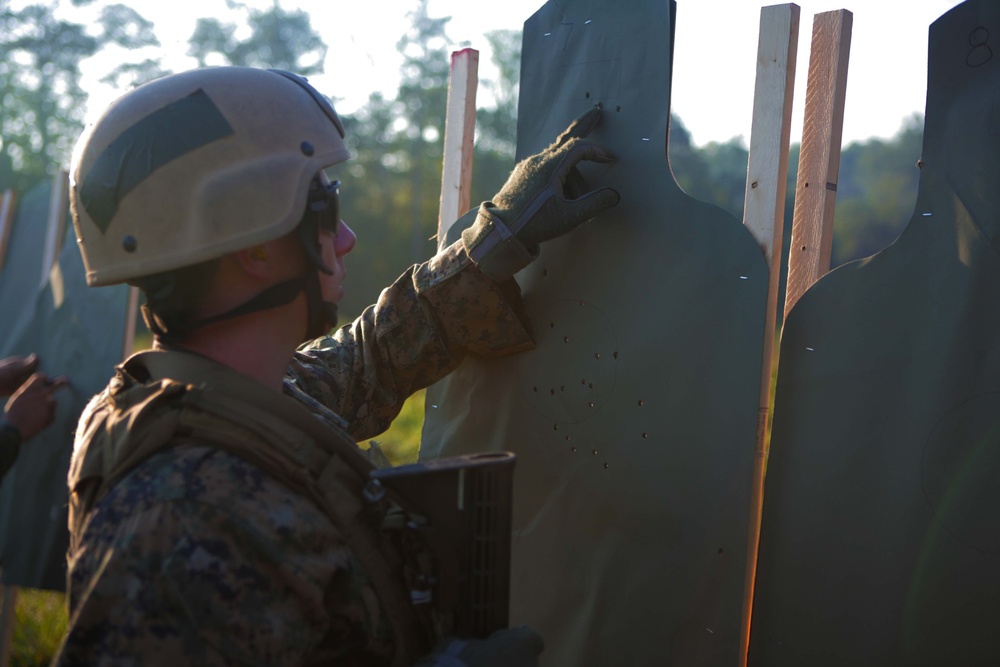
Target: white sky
(714,58)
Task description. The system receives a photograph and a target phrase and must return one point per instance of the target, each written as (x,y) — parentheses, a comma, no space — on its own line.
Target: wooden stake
(763,214)
(459,135)
(8,206)
(56,227)
(819,156)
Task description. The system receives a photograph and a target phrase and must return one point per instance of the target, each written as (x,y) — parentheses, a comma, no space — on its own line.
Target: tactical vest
(141,416)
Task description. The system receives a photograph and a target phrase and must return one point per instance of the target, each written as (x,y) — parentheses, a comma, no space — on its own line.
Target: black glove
(544,197)
(513,647)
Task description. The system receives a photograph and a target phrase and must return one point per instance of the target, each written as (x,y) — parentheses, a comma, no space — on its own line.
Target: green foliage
(401,443)
(41,101)
(716,173)
(278,39)
(497,125)
(876,190)
(40,621)
(392,195)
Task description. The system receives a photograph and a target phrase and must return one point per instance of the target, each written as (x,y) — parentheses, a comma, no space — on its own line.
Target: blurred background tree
(41,101)
(278,39)
(391,186)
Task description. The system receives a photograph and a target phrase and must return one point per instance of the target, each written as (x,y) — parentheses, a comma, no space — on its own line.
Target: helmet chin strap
(273,297)
(322,212)
(322,315)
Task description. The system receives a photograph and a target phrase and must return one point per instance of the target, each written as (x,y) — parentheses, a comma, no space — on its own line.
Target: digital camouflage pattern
(420,340)
(198,556)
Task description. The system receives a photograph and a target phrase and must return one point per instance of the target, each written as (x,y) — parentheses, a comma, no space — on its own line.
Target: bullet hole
(641,402)
(590,403)
(720,551)
(753,185)
(605,465)
(615,355)
(645,435)
(555,427)
(597,355)
(594,452)
(587,95)
(307,149)
(573,449)
(552,392)
(535,389)
(568,438)
(565,339)
(130,244)
(618,108)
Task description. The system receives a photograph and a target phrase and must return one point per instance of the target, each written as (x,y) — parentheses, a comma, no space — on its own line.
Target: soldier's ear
(255,261)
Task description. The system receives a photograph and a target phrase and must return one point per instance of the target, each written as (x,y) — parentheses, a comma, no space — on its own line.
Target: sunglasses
(324,199)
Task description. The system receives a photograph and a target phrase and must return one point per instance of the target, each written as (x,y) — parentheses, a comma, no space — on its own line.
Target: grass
(401,443)
(39,625)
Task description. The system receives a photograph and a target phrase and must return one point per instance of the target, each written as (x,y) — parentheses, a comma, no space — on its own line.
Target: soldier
(215,507)
(30,408)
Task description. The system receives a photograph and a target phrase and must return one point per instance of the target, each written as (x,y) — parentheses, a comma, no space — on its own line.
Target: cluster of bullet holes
(600,105)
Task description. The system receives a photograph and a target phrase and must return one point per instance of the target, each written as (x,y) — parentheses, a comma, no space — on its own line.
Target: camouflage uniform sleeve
(201,559)
(419,330)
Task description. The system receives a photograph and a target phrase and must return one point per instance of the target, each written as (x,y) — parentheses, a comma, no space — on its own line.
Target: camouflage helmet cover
(193,166)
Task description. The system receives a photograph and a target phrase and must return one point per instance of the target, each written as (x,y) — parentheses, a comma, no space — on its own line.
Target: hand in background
(14,371)
(32,406)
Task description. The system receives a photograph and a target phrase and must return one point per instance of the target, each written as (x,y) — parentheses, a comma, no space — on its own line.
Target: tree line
(391,186)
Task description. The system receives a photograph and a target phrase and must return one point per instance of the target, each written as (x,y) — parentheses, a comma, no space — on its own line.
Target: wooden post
(56,226)
(819,156)
(459,133)
(763,215)
(8,206)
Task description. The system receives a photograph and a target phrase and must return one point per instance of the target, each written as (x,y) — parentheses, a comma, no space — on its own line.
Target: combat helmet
(193,166)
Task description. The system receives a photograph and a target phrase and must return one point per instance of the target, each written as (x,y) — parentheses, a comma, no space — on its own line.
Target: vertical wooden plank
(763,215)
(819,157)
(459,135)
(767,168)
(8,206)
(56,226)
